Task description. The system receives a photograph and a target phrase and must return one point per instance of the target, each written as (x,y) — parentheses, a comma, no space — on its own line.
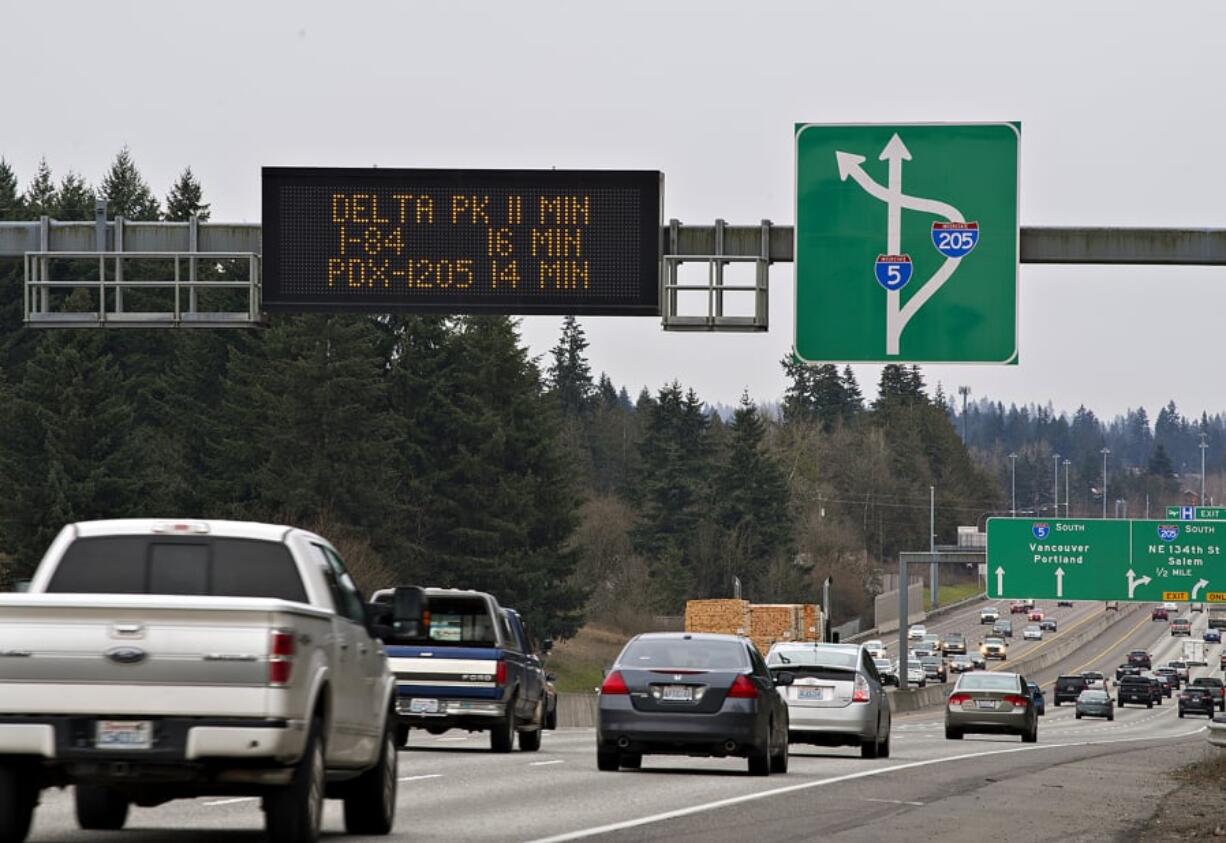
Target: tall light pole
(1105,452)
(1067,463)
(1203,446)
(1013,485)
(1055,484)
(964,391)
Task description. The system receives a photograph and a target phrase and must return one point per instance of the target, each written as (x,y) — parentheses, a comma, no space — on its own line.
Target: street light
(1067,463)
(1055,483)
(1203,446)
(1105,452)
(964,391)
(1013,485)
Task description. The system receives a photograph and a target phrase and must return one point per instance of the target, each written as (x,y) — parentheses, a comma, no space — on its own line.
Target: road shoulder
(1191,809)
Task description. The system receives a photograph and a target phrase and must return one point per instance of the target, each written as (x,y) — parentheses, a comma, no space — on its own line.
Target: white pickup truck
(158,660)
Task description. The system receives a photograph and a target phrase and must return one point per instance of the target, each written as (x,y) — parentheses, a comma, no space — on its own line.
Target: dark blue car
(1040,702)
(1214,635)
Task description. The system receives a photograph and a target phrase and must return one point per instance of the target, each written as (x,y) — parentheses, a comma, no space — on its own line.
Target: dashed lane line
(863,774)
(422,777)
(218,802)
(546,763)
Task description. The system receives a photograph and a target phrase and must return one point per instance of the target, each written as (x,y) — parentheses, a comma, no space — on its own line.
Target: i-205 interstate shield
(955,239)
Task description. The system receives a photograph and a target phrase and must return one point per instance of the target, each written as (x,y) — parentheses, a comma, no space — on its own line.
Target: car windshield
(994,642)
(987,682)
(1093,696)
(685,653)
(816,656)
(1093,674)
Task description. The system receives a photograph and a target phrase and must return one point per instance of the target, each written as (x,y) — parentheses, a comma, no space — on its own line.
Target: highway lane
(453,787)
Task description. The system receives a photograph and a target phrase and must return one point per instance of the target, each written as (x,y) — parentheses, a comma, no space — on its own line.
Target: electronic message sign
(462,241)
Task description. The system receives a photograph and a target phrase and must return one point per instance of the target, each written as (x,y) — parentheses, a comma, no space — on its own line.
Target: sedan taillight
(743,688)
(959,699)
(614,684)
(860,691)
(1017,700)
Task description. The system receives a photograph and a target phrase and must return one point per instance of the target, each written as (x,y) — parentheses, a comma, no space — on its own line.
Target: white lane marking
(893,801)
(422,777)
(863,774)
(233,801)
(546,763)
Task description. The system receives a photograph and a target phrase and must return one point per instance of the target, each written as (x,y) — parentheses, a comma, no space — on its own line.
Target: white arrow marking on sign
(1059,582)
(895,152)
(1133,582)
(1000,581)
(1199,585)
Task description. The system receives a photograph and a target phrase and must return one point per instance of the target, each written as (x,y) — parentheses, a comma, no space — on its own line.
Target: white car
(989,615)
(876,649)
(1032,633)
(917,632)
(916,675)
(1170,607)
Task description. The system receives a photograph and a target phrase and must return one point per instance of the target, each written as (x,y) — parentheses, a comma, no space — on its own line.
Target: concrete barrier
(577,709)
(902,702)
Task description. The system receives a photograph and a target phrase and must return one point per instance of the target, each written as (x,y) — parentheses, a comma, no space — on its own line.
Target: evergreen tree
(186,199)
(11,207)
(852,395)
(1160,463)
(126,191)
(75,199)
(41,196)
(798,397)
(570,375)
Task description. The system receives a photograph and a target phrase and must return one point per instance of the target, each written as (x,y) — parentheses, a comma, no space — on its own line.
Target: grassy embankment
(954,593)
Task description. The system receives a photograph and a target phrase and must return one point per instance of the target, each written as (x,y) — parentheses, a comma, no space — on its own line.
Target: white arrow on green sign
(1093,559)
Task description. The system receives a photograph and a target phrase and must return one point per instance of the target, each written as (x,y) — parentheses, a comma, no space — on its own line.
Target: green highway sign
(1197,513)
(1094,559)
(906,243)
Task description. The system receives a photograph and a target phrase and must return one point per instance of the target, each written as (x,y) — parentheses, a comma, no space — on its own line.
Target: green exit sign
(1197,513)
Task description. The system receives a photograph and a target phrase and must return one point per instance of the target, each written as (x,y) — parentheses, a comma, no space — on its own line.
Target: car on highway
(1034,632)
(837,698)
(932,641)
(1139,690)
(916,677)
(989,615)
(920,651)
(1176,681)
(961,663)
(934,669)
(1062,604)
(1111,606)
(916,632)
(1222,662)
(1094,702)
(953,643)
(1018,607)
(1181,626)
(1003,629)
(1170,607)
(1216,689)
(1139,658)
(1159,613)
(1196,699)
(1165,683)
(1036,694)
(1213,636)
(1196,607)
(1048,624)
(991,703)
(1127,670)
(887,671)
(1095,679)
(698,694)
(1036,615)
(876,648)
(978,662)
(1181,667)
(994,648)
(1068,688)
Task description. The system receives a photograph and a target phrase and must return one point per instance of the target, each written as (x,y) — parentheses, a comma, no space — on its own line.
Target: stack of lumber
(764,624)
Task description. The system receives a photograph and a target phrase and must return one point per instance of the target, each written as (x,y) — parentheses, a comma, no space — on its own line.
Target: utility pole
(933,576)
(1203,446)
(826,627)
(1067,463)
(1055,485)
(1105,452)
(1013,485)
(964,391)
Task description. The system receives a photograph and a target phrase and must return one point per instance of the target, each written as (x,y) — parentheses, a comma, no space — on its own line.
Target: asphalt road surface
(1086,779)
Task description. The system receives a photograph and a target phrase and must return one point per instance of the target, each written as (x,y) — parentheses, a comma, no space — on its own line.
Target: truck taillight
(281,649)
(500,673)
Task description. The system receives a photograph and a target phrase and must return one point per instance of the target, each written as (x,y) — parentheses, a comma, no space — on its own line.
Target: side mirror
(784,678)
(379,620)
(410,614)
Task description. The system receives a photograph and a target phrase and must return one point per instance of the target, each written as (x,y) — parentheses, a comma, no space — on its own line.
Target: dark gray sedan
(991,703)
(673,693)
(1095,703)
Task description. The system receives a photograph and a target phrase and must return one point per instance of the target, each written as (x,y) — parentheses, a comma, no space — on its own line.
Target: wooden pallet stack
(764,624)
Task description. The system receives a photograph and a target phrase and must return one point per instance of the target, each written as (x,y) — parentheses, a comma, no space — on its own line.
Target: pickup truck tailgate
(132,654)
(436,671)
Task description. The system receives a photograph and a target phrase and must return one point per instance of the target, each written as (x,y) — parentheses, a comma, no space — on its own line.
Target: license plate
(811,694)
(677,693)
(986,703)
(124,734)
(423,706)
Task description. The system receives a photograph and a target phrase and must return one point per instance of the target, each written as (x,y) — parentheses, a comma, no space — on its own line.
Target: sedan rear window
(987,682)
(219,567)
(685,653)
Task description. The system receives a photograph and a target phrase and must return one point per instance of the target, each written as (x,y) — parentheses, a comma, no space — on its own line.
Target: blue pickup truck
(469,665)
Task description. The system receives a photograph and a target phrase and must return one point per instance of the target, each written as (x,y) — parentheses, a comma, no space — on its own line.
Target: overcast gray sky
(1120,102)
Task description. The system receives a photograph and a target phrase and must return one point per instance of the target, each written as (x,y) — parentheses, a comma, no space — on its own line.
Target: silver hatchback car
(837,697)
